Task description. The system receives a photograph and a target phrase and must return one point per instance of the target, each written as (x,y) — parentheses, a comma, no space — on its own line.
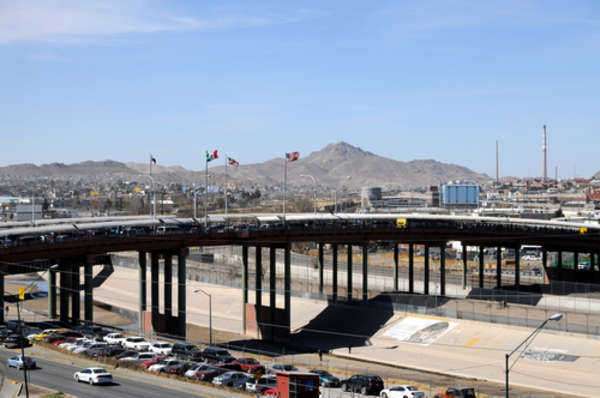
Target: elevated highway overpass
(64,247)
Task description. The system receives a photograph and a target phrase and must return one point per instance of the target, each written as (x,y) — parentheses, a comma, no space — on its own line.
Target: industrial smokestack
(497,163)
(545,153)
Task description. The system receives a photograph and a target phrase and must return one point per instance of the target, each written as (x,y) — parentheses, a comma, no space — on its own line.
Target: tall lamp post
(555,318)
(314,180)
(210,328)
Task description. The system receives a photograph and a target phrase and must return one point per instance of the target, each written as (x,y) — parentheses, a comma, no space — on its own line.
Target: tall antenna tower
(497,163)
(545,153)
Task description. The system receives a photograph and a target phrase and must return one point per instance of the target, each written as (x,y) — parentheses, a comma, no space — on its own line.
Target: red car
(250,365)
(149,362)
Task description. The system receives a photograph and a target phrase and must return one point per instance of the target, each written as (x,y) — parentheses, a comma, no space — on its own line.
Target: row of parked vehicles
(211,364)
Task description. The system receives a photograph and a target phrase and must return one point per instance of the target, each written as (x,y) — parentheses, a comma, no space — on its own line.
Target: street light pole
(556,317)
(210,327)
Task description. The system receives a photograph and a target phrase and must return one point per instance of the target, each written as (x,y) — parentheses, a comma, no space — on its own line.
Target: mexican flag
(212,155)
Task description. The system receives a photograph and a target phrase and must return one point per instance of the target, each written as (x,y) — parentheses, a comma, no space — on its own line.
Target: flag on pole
(292,156)
(152,159)
(212,155)
(232,162)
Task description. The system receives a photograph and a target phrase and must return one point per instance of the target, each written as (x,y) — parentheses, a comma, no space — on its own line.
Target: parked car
(19,362)
(93,376)
(205,372)
(279,367)
(178,368)
(161,347)
(87,346)
(34,337)
(114,338)
(401,392)
(102,350)
(16,341)
(250,365)
(232,379)
(78,343)
(138,357)
(217,354)
(162,364)
(185,350)
(262,384)
(364,384)
(457,393)
(136,343)
(326,379)
(125,354)
(153,361)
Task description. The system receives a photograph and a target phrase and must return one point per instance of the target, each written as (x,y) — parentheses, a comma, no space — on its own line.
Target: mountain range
(336,165)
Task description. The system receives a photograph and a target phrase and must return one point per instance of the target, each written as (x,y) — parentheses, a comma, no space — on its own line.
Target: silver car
(19,362)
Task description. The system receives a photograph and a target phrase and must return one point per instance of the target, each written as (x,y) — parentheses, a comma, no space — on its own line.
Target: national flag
(292,156)
(232,162)
(212,155)
(152,159)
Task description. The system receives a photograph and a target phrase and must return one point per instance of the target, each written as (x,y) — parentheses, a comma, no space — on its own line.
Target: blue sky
(406,79)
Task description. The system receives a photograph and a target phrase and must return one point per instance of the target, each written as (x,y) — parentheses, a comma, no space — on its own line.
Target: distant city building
(25,211)
(460,195)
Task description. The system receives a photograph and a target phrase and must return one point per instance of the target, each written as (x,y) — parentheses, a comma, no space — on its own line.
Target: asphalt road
(59,376)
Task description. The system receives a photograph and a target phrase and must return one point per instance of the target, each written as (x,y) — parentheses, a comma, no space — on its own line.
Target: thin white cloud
(76,20)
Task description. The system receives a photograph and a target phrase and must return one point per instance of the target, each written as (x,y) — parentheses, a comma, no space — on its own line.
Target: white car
(114,338)
(161,347)
(87,345)
(139,357)
(401,392)
(159,367)
(136,343)
(68,344)
(93,376)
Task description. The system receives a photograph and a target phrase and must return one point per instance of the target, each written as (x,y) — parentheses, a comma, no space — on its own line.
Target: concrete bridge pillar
(426,271)
(365,273)
(51,295)
(75,294)
(575,261)
(321,267)
(518,266)
(272,289)
(2,298)
(593,261)
(287,281)
(181,291)
(142,279)
(499,267)
(481,266)
(465,259)
(88,298)
(349,270)
(258,276)
(65,287)
(154,297)
(396,266)
(244,286)
(168,284)
(411,268)
(443,269)
(334,275)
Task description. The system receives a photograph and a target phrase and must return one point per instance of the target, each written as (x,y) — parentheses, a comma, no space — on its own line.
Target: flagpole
(225,188)
(206,193)
(284,186)
(153,198)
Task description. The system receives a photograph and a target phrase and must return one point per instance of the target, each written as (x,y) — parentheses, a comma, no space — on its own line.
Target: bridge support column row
(166,322)
(396,267)
(499,267)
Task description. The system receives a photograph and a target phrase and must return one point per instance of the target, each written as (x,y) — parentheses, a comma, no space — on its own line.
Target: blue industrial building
(460,195)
